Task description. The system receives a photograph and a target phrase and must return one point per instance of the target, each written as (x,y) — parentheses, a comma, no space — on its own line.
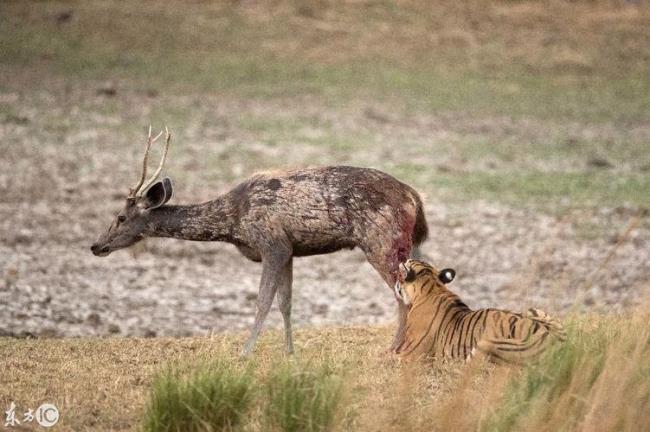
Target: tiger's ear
(447,275)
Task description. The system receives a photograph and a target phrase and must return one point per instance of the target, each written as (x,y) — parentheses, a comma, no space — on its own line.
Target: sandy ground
(65,168)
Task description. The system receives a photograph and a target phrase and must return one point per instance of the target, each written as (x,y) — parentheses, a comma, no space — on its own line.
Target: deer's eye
(121,218)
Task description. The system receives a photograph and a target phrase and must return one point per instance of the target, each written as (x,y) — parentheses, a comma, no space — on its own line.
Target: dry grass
(597,381)
(103,384)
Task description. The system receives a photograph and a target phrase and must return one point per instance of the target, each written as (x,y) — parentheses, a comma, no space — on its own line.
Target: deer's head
(130,224)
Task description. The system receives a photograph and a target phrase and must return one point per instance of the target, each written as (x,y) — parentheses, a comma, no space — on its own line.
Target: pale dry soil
(69,156)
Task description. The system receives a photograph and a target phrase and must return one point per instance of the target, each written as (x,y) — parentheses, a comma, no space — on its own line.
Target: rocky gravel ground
(504,257)
(67,161)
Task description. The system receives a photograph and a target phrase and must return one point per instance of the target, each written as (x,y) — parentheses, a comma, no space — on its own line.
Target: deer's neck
(210,221)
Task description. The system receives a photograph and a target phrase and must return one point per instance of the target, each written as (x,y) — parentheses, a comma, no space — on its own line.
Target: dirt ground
(523,125)
(55,202)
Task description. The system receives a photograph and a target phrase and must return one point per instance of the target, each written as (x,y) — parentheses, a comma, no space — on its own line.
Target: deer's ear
(158,194)
(167,183)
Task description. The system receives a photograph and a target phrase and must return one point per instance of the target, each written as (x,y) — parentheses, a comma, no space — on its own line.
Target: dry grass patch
(103,384)
(341,380)
(597,381)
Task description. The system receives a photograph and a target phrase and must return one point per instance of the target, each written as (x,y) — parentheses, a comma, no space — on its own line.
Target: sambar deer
(273,217)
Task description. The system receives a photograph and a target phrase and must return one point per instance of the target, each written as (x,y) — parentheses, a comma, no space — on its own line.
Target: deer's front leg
(274,270)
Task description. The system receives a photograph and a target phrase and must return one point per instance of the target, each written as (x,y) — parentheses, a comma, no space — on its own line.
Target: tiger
(439,324)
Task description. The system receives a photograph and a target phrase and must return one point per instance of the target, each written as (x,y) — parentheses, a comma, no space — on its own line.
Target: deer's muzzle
(100,250)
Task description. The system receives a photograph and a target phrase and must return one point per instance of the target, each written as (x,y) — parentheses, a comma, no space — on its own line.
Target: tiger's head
(417,278)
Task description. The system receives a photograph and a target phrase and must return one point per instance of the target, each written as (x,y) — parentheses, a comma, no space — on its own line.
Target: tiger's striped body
(440,324)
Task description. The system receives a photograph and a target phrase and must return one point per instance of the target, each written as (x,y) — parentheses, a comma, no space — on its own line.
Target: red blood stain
(402,245)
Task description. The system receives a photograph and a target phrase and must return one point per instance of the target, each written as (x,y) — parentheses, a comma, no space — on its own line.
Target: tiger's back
(440,324)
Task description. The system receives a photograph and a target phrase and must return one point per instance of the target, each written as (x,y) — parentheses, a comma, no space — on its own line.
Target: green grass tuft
(212,398)
(302,398)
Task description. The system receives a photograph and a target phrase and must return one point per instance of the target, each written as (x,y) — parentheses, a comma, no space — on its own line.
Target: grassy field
(549,59)
(537,98)
(514,119)
(597,381)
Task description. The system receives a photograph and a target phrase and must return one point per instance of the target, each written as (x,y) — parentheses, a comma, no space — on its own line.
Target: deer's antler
(150,140)
(168,138)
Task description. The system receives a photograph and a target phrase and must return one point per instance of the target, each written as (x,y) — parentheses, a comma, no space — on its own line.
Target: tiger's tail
(554,326)
(543,331)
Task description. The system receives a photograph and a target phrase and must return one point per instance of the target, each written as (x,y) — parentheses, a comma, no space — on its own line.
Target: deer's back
(324,209)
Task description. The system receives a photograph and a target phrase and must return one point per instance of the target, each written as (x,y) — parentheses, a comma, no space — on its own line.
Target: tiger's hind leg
(487,351)
(514,351)
(476,356)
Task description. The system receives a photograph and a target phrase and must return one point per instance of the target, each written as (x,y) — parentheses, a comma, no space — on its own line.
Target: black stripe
(513,322)
(476,316)
(454,336)
(535,326)
(463,335)
(527,347)
(502,328)
(487,313)
(426,284)
(510,341)
(442,321)
(450,333)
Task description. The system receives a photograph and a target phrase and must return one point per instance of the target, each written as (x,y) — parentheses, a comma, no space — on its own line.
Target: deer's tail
(421,229)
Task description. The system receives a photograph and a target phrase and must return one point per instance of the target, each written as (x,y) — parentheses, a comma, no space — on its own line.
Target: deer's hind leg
(284,303)
(386,264)
(276,272)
